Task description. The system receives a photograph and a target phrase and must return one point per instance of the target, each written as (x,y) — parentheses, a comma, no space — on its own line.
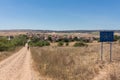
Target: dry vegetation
(112,69)
(76,63)
(67,63)
(11,33)
(6,54)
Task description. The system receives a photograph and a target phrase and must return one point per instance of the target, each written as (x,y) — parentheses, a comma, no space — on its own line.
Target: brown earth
(18,67)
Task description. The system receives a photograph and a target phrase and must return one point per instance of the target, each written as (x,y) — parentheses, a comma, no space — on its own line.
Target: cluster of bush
(61,43)
(37,42)
(70,39)
(76,44)
(80,44)
(40,43)
(6,44)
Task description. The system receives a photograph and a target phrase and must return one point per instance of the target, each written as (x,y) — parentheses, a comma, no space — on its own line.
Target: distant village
(55,36)
(66,36)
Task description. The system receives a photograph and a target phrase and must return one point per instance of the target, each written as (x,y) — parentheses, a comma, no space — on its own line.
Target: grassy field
(75,63)
(5,54)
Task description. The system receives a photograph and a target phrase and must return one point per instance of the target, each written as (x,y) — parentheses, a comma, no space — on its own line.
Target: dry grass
(71,63)
(67,63)
(113,70)
(11,33)
(6,54)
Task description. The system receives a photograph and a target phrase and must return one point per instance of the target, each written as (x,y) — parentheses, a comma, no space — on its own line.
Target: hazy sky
(60,14)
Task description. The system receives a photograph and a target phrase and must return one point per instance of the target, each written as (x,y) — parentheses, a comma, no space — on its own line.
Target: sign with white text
(106,36)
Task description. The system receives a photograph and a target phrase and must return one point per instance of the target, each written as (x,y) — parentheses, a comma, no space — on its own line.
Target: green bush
(20,40)
(67,44)
(40,43)
(60,43)
(116,37)
(6,44)
(35,39)
(3,46)
(80,44)
(46,43)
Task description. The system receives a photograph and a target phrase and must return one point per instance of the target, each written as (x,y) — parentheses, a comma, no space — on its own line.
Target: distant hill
(57,31)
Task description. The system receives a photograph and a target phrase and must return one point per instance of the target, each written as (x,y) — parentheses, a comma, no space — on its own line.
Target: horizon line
(62,30)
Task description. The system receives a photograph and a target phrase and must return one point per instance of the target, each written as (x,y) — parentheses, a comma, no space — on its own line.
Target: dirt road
(17,66)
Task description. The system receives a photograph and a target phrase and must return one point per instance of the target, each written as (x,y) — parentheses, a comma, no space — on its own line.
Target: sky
(60,14)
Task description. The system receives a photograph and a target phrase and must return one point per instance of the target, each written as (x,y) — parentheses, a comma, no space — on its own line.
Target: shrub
(67,44)
(43,43)
(35,39)
(46,43)
(80,44)
(116,37)
(60,43)
(3,47)
(66,40)
(40,43)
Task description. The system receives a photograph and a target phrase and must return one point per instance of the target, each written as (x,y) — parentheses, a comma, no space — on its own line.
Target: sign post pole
(102,51)
(110,51)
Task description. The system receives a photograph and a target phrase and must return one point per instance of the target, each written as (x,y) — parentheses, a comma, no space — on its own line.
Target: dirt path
(18,67)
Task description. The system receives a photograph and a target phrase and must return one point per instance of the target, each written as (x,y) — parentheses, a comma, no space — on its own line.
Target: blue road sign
(106,36)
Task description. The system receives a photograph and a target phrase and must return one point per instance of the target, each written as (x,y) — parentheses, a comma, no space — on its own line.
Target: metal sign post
(102,51)
(110,51)
(106,36)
